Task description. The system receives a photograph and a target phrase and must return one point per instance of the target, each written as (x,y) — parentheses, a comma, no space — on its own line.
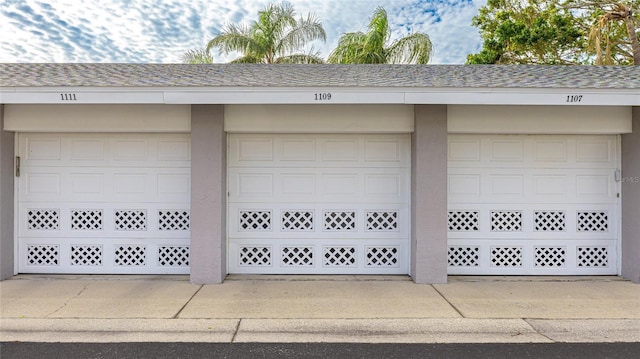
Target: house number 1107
(574,98)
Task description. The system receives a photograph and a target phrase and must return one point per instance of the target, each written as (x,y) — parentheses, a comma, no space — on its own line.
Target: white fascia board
(80,95)
(306,95)
(549,97)
(259,96)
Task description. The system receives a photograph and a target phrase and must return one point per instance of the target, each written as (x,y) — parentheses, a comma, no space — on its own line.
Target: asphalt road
(25,350)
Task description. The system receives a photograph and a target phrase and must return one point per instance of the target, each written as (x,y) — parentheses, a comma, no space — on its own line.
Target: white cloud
(162,30)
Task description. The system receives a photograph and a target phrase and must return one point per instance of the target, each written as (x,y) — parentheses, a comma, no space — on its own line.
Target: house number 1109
(324,96)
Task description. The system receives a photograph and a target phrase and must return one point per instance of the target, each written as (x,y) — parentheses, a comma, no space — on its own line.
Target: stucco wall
(429,195)
(208,194)
(6,200)
(631,201)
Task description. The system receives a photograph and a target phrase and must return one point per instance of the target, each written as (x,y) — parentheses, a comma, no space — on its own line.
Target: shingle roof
(358,76)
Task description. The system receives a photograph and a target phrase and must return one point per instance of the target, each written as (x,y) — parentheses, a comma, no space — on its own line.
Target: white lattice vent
(43,255)
(341,256)
(463,221)
(549,256)
(131,220)
(506,221)
(339,220)
(255,256)
(173,220)
(173,256)
(297,256)
(86,219)
(463,256)
(593,221)
(381,256)
(593,256)
(381,220)
(40,219)
(297,221)
(86,255)
(549,221)
(506,256)
(130,255)
(255,220)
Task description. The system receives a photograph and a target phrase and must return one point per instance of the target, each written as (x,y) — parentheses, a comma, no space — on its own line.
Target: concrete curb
(431,330)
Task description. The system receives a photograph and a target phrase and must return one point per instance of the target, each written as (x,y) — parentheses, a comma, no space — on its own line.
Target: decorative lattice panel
(506,221)
(381,256)
(593,221)
(463,256)
(86,255)
(549,221)
(43,255)
(173,220)
(255,256)
(86,219)
(381,220)
(297,256)
(43,219)
(130,255)
(339,220)
(549,256)
(255,220)
(463,221)
(131,220)
(339,256)
(593,257)
(297,221)
(506,256)
(173,256)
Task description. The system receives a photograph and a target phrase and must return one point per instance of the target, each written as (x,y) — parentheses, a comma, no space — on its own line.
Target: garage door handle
(17,166)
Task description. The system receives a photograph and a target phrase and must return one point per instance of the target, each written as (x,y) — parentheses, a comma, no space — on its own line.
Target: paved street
(317,350)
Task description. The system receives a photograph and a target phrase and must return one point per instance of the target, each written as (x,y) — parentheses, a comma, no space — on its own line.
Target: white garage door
(543,205)
(318,203)
(104,203)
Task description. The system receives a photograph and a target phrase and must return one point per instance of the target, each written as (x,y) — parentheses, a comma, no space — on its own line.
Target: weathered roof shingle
(354,76)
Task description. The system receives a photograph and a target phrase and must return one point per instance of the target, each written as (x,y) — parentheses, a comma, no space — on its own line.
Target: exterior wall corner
(631,201)
(7,149)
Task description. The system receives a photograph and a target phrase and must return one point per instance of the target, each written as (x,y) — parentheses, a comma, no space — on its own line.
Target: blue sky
(160,31)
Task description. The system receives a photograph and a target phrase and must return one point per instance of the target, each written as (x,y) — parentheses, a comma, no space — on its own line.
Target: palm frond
(197,56)
(413,49)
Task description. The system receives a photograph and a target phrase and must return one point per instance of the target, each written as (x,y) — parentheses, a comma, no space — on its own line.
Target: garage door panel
(528,198)
(348,257)
(318,204)
(112,203)
(535,151)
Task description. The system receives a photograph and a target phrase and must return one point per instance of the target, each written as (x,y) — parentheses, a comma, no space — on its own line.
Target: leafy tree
(276,37)
(528,31)
(373,46)
(613,34)
(558,32)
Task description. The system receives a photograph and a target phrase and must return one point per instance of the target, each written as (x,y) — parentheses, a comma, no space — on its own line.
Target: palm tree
(275,38)
(373,48)
(602,28)
(197,56)
(614,21)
